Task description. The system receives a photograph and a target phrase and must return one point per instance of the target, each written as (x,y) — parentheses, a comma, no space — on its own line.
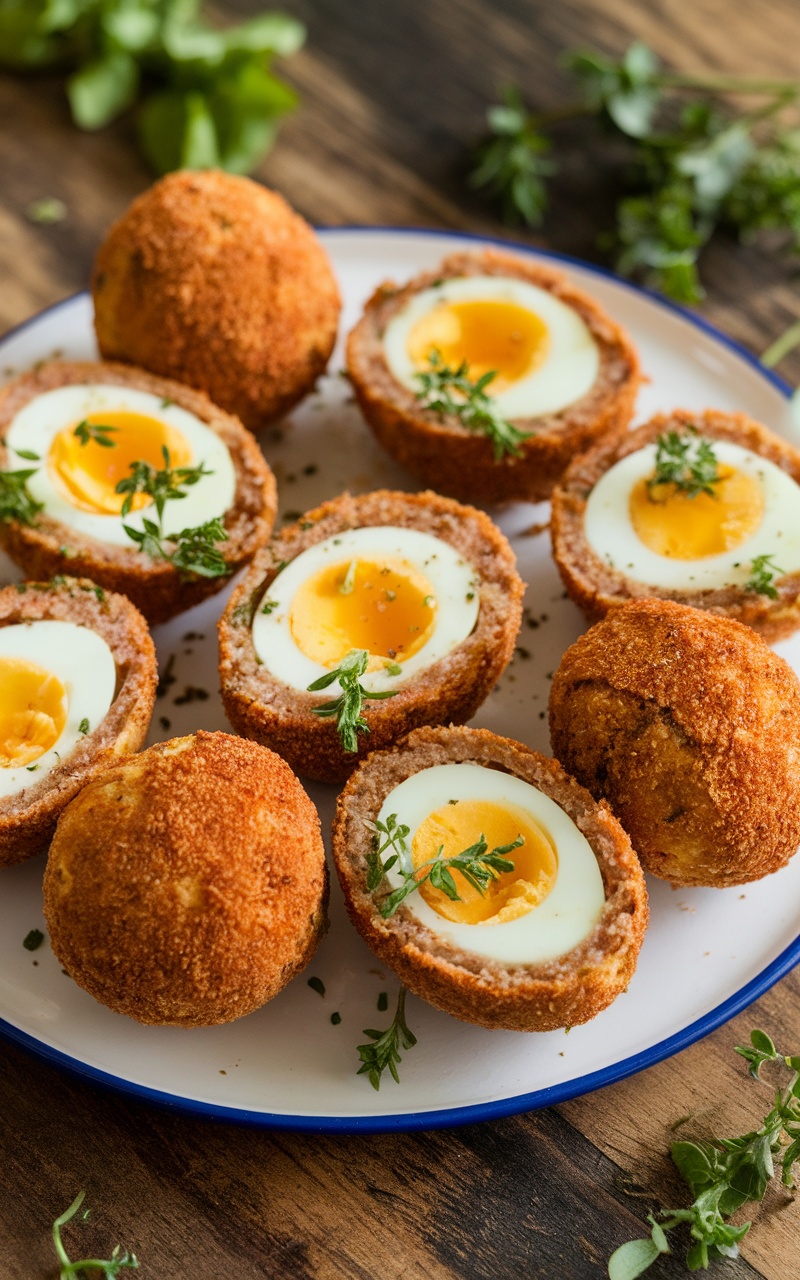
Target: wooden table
(392,94)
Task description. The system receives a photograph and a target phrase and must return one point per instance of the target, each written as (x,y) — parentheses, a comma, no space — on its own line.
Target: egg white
(566,374)
(38,422)
(561,921)
(84,664)
(611,534)
(453,580)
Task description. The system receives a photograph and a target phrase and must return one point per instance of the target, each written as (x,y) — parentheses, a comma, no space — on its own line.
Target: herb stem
(781,347)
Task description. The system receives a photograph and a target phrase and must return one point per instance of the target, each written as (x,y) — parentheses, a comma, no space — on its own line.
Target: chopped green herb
(347,707)
(97,432)
(336,1019)
(471,405)
(385,1046)
(762,576)
(470,595)
(316,984)
(166,403)
(33,940)
(83,727)
(28,455)
(165,485)
(269,606)
(429,602)
(687,462)
(16,502)
(46,211)
(393,668)
(120,1260)
(31,768)
(383,1002)
(21,587)
(349,580)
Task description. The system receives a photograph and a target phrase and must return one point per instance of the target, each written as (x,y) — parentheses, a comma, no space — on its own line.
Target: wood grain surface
(393,94)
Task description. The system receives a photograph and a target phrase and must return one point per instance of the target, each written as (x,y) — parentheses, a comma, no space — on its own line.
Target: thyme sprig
(723,1174)
(687,462)
(97,432)
(165,484)
(452,392)
(477,864)
(120,1260)
(16,500)
(384,1047)
(347,707)
(190,551)
(692,161)
(762,576)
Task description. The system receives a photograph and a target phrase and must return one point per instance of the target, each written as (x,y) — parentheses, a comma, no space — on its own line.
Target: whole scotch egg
(560,371)
(77,686)
(722,536)
(424,588)
(74,433)
(550,939)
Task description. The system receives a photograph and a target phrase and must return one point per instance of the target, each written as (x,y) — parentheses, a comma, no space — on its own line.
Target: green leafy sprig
(763,573)
(167,484)
(347,707)
(383,1049)
(97,432)
(477,864)
(120,1260)
(190,551)
(16,500)
(686,461)
(723,1174)
(693,164)
(208,96)
(451,392)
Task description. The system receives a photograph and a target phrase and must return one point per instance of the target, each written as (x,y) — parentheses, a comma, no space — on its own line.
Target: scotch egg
(77,686)
(424,588)
(548,941)
(560,371)
(729,545)
(79,432)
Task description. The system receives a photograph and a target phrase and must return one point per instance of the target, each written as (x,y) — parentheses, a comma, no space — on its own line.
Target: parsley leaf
(384,1048)
(450,391)
(347,707)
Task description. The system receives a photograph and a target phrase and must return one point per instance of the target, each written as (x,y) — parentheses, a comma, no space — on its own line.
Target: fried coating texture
(262,707)
(559,993)
(28,819)
(156,588)
(597,586)
(446,455)
(187,885)
(689,726)
(215,281)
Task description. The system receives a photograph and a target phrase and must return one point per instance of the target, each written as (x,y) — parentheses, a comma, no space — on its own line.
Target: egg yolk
(386,607)
(454,828)
(33,712)
(673,524)
(87,474)
(501,337)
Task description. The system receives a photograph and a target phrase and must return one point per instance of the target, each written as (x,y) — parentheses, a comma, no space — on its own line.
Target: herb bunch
(723,1174)
(478,865)
(190,551)
(692,162)
(452,392)
(208,96)
(347,707)
(687,462)
(383,1048)
(120,1260)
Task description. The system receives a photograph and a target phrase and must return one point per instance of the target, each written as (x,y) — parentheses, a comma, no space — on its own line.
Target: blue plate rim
(549,1096)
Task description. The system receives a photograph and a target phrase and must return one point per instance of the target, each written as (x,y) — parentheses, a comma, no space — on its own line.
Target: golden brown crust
(188,885)
(263,708)
(447,456)
(28,819)
(596,587)
(688,725)
(155,587)
(215,281)
(563,992)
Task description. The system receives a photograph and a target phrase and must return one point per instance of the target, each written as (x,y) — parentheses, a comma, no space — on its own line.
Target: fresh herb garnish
(194,550)
(474,409)
(349,580)
(33,940)
(207,96)
(111,1267)
(393,668)
(16,502)
(269,606)
(723,1174)
(316,984)
(83,727)
(762,576)
(384,1048)
(347,707)
(687,462)
(98,432)
(162,485)
(46,211)
(477,864)
(694,161)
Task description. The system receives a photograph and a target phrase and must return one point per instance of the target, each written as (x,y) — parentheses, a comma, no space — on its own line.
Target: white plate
(707,953)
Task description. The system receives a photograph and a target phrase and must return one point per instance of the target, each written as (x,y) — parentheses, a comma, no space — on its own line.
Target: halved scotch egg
(137,482)
(370,616)
(699,508)
(490,335)
(541,922)
(77,686)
